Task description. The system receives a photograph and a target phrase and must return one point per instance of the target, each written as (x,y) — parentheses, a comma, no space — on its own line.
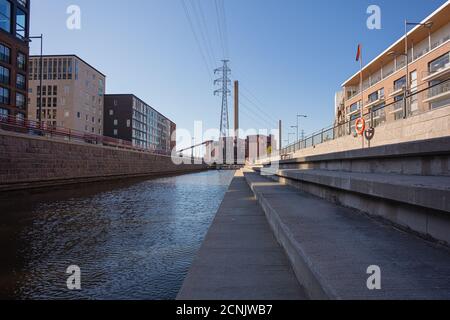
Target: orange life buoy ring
(360,126)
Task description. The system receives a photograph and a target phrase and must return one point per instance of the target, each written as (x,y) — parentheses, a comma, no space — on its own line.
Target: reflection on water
(131,240)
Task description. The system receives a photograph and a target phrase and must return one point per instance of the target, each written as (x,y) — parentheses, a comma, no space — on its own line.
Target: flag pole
(361,86)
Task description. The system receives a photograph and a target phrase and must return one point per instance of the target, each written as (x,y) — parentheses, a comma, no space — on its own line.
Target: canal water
(133,240)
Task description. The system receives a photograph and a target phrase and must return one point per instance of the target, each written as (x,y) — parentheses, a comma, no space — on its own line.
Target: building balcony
(373,102)
(398,90)
(354,111)
(439,92)
(433,75)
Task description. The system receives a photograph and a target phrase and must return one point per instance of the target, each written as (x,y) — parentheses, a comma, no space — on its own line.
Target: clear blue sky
(292,55)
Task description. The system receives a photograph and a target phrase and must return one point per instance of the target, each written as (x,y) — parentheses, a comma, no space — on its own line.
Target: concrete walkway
(331,248)
(240,258)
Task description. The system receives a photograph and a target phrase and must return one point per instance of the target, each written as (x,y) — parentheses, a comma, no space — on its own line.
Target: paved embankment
(331,247)
(240,258)
(36,162)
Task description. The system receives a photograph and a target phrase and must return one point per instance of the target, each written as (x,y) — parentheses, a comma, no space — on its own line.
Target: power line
(225,29)
(258,116)
(205,25)
(188,16)
(203,31)
(219,25)
(253,119)
(258,109)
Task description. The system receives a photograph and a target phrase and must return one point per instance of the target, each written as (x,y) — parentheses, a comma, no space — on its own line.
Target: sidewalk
(240,258)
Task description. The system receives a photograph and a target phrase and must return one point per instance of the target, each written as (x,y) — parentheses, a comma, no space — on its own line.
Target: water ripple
(131,240)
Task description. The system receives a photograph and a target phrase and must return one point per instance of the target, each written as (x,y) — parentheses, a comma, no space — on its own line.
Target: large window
(4,113)
(4,95)
(21,24)
(355,106)
(440,63)
(4,75)
(400,83)
(20,81)
(21,61)
(23,3)
(5,53)
(20,101)
(5,15)
(376,95)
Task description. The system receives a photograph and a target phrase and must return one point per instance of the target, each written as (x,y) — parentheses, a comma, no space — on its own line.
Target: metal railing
(34,128)
(439,89)
(377,116)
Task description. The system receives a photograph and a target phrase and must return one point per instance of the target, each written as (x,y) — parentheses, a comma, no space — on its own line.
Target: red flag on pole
(358,54)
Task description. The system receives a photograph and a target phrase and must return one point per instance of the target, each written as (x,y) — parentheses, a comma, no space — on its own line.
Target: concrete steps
(427,191)
(331,247)
(416,203)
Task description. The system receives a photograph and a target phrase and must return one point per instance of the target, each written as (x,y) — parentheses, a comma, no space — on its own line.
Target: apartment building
(129,118)
(14,50)
(72,93)
(385,77)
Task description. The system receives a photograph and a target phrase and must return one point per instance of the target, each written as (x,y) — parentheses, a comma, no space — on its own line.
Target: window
(115,132)
(5,15)
(4,75)
(20,101)
(116,122)
(400,83)
(78,115)
(20,117)
(440,63)
(55,90)
(4,95)
(55,102)
(23,3)
(4,113)
(379,115)
(413,80)
(111,112)
(376,95)
(21,24)
(20,81)
(5,54)
(21,61)
(355,106)
(128,123)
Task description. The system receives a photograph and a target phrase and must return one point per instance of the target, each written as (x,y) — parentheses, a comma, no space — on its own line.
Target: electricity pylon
(224,82)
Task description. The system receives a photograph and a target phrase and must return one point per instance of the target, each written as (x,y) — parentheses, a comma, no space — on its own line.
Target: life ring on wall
(360,126)
(369,134)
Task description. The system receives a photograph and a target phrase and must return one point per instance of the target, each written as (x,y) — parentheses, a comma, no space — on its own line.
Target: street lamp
(30,39)
(428,25)
(298,125)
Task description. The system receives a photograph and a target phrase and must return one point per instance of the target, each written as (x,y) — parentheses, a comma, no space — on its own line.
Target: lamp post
(428,25)
(30,39)
(298,125)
